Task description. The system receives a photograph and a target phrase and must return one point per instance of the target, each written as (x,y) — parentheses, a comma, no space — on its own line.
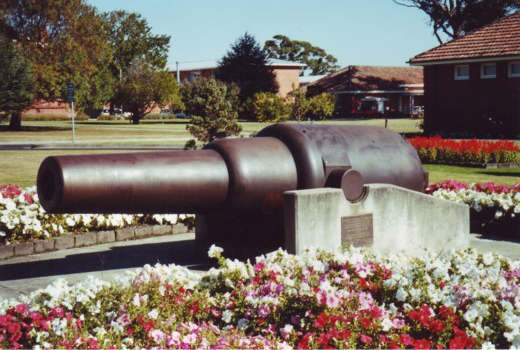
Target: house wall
(287,79)
(190,74)
(475,106)
(398,104)
(48,108)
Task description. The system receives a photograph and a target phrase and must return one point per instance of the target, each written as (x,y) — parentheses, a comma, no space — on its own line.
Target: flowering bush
(22,218)
(353,299)
(446,151)
(489,203)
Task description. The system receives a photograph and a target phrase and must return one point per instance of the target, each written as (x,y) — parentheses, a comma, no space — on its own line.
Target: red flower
(405,339)
(422,344)
(304,342)
(321,321)
(365,339)
(22,309)
(366,322)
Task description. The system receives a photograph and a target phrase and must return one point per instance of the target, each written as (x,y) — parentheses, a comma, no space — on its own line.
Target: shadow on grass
(181,253)
(501,173)
(5,128)
(143,122)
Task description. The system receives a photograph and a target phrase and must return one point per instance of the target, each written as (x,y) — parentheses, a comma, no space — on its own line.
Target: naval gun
(234,185)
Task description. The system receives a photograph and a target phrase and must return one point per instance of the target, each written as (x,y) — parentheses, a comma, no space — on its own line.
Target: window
(488,70)
(462,72)
(194,75)
(514,69)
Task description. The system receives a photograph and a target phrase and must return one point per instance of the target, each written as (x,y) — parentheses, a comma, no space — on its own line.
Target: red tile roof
(500,38)
(353,78)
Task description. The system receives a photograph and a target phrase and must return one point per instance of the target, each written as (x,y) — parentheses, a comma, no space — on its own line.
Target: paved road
(107,261)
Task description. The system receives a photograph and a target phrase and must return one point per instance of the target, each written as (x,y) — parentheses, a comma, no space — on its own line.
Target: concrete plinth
(390,219)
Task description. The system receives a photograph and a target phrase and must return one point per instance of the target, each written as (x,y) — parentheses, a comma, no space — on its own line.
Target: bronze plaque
(357,230)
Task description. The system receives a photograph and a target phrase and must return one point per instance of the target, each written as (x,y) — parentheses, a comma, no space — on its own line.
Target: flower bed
(22,218)
(316,300)
(465,152)
(493,208)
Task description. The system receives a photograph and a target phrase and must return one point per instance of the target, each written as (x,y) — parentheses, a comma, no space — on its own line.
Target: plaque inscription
(357,230)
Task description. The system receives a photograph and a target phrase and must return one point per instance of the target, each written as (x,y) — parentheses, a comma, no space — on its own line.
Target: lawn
(152,131)
(21,166)
(503,176)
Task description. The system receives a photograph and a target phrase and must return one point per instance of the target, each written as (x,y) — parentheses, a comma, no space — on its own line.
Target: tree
(64,41)
(246,65)
(16,82)
(144,87)
(210,103)
(454,18)
(130,37)
(316,59)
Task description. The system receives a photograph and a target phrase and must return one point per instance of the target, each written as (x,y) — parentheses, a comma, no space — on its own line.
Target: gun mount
(235,177)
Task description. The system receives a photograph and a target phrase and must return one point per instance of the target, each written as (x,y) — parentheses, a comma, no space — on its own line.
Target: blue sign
(70,92)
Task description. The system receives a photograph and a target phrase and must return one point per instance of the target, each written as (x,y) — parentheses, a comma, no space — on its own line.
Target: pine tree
(246,65)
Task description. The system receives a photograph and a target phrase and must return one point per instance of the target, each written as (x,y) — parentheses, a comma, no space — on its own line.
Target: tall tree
(318,61)
(454,18)
(144,87)
(130,37)
(16,82)
(246,65)
(64,40)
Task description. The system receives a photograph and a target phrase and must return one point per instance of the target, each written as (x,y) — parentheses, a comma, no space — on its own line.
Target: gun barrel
(152,182)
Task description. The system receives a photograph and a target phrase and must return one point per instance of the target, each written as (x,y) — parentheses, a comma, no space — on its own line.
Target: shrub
(471,152)
(492,207)
(212,105)
(346,300)
(321,106)
(299,105)
(267,106)
(22,218)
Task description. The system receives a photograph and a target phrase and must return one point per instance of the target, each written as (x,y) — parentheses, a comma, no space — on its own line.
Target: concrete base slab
(402,220)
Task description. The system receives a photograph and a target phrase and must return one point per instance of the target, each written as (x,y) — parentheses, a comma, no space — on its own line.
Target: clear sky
(356,32)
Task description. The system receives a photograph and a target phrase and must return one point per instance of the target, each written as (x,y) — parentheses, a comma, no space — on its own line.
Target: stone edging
(67,241)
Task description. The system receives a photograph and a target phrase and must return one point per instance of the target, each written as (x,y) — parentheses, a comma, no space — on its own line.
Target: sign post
(70,97)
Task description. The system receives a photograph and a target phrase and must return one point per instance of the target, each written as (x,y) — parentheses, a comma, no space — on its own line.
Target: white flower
(153,314)
(226,316)
(215,252)
(401,294)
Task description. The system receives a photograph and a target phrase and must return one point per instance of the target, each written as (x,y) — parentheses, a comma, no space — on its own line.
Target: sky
(356,32)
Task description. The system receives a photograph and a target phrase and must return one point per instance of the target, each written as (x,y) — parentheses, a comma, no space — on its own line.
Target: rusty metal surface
(155,182)
(245,175)
(379,155)
(260,170)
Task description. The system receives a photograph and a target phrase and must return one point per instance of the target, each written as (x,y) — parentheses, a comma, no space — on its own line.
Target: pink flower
(123,320)
(365,339)
(22,309)
(157,335)
(189,339)
(398,323)
(173,340)
(264,310)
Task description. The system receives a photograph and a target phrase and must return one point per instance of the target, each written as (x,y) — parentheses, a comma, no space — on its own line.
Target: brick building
(286,73)
(472,84)
(373,90)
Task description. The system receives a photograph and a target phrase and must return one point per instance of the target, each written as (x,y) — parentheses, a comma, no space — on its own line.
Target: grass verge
(503,176)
